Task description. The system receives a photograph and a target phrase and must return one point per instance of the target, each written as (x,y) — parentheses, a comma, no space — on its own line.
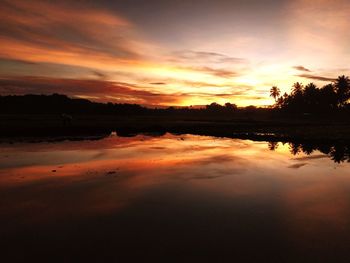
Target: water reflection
(184,197)
(338,152)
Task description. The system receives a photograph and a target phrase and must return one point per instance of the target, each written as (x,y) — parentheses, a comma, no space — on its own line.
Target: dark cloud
(99,74)
(301,68)
(158,83)
(311,157)
(255,97)
(16,67)
(103,90)
(223,73)
(207,57)
(212,63)
(224,158)
(217,72)
(297,165)
(237,94)
(315,77)
(59,27)
(18,61)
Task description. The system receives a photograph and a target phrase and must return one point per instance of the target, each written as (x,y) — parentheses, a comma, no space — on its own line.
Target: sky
(171,53)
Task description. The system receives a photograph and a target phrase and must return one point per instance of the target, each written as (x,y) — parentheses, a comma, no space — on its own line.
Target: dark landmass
(22,125)
(58,117)
(308,113)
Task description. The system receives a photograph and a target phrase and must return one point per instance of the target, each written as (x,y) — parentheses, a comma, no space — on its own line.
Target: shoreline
(17,127)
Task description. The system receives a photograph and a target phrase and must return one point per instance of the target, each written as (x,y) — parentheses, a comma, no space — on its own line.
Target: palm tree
(275,92)
(297,88)
(311,86)
(328,96)
(342,88)
(272,146)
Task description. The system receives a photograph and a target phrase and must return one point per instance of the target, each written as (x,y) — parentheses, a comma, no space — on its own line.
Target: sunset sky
(166,52)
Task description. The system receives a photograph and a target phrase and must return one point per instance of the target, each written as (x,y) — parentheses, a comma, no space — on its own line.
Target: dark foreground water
(172,199)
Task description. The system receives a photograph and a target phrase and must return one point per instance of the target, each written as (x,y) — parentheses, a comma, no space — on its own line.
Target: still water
(175,198)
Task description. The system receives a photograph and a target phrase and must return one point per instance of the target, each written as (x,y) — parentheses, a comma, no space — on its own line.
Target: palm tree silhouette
(297,88)
(342,88)
(275,92)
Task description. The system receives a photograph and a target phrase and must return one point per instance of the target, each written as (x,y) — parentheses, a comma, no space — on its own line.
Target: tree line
(331,98)
(58,104)
(312,99)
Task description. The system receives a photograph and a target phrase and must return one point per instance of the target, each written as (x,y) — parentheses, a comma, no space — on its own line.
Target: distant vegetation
(312,99)
(58,104)
(307,113)
(303,100)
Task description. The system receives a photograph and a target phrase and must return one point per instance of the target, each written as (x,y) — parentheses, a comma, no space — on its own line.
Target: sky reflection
(222,180)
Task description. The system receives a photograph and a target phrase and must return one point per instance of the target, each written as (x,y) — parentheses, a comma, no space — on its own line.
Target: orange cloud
(57,33)
(110,46)
(52,27)
(85,42)
(118,92)
(99,90)
(315,77)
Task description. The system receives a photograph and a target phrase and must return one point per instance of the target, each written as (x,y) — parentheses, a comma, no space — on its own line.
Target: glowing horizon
(164,53)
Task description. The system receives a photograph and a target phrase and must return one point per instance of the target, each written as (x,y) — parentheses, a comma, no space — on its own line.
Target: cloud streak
(206,57)
(118,92)
(301,68)
(97,89)
(59,27)
(315,77)
(169,53)
(44,32)
(218,72)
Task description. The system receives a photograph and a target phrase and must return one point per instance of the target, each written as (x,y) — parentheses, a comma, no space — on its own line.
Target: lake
(182,198)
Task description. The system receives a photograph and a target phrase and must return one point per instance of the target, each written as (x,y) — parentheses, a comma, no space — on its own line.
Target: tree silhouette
(336,152)
(297,88)
(295,148)
(342,88)
(275,92)
(328,97)
(272,145)
(230,107)
(311,99)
